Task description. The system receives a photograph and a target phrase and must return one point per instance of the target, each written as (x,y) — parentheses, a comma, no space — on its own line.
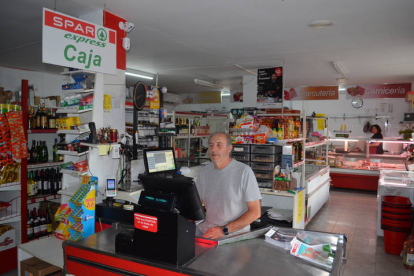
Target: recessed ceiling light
(320,24)
(342,79)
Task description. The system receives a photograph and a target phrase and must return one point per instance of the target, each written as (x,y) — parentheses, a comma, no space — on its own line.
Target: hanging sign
(202,98)
(311,93)
(270,85)
(378,90)
(75,43)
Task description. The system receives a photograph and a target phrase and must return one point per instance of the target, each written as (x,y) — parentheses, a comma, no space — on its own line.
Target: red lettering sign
(378,90)
(146,223)
(69,24)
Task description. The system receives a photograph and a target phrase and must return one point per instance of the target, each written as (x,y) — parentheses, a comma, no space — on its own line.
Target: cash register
(164,227)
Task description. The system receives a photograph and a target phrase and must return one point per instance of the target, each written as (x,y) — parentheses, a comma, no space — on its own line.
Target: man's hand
(214,233)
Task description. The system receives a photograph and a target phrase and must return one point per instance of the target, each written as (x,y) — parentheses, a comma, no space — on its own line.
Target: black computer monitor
(160,160)
(187,202)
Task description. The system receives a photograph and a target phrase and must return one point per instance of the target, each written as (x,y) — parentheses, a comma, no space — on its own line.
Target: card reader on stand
(110,192)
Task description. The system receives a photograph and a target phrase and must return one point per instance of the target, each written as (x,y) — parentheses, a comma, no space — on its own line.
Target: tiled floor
(355,214)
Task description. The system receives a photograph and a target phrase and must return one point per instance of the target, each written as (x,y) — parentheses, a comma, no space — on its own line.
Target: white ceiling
(186,39)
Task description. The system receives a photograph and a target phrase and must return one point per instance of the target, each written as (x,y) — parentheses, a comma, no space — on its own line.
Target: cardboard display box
(7,237)
(37,267)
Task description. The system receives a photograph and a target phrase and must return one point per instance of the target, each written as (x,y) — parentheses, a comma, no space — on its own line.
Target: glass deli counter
(354,167)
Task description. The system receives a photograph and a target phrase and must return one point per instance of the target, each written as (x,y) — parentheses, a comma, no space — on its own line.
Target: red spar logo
(69,24)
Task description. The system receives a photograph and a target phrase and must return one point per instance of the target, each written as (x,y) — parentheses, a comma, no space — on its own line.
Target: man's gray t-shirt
(225,193)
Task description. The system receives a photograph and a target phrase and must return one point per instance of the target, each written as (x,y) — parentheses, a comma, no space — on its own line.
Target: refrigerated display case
(354,167)
(394,183)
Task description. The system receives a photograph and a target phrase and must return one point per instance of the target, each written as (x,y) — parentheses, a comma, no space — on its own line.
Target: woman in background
(376,148)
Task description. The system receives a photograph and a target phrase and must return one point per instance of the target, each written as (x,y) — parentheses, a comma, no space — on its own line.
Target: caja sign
(71,42)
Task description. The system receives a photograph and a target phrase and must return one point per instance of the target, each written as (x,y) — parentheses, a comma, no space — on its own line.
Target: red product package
(17,136)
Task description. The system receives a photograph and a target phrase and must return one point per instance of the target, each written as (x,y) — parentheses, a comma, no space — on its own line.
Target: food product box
(287,150)
(287,160)
(7,237)
(37,267)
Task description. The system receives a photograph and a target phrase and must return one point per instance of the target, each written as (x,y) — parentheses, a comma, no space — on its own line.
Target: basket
(280,185)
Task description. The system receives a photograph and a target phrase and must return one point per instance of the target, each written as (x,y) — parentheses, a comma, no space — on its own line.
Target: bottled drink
(45,154)
(52,182)
(48,222)
(36,225)
(39,182)
(29,226)
(29,188)
(37,118)
(42,180)
(33,153)
(43,118)
(46,182)
(31,123)
(51,118)
(43,227)
(39,152)
(408,253)
(55,155)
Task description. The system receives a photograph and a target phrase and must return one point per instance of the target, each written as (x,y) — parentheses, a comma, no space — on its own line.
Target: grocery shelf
(50,130)
(70,191)
(297,164)
(77,91)
(309,145)
(72,153)
(192,137)
(41,198)
(72,131)
(43,165)
(11,186)
(8,216)
(74,173)
(72,110)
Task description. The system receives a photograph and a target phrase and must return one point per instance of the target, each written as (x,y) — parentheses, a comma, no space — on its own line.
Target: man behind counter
(229,190)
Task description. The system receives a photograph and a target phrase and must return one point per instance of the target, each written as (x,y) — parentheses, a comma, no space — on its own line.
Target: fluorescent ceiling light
(246,70)
(138,76)
(226,93)
(338,67)
(320,24)
(207,83)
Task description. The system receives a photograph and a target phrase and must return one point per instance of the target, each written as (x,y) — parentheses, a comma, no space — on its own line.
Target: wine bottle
(42,179)
(51,118)
(43,227)
(39,153)
(45,154)
(49,225)
(39,182)
(36,225)
(29,226)
(55,155)
(33,153)
(37,118)
(43,118)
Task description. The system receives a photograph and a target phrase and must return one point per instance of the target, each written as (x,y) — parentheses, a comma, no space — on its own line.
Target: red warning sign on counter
(145,222)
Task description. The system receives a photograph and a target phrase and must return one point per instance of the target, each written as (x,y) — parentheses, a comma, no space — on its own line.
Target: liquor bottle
(300,151)
(29,226)
(45,153)
(37,118)
(36,225)
(59,176)
(43,118)
(51,118)
(34,181)
(55,155)
(43,226)
(29,187)
(46,182)
(39,182)
(33,153)
(42,179)
(49,225)
(52,186)
(408,253)
(39,152)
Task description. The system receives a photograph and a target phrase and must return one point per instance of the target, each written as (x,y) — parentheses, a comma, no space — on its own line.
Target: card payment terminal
(110,187)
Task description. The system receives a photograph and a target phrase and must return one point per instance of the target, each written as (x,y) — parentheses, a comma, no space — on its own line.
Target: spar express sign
(71,42)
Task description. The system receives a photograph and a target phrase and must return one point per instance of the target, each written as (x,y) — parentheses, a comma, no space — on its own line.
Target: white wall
(224,106)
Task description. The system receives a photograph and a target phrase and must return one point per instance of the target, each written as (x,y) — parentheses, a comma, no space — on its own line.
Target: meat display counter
(354,167)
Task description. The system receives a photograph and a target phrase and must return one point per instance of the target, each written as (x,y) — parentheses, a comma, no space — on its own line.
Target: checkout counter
(96,255)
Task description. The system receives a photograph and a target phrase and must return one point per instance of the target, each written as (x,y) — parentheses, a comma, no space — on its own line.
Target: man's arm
(253,213)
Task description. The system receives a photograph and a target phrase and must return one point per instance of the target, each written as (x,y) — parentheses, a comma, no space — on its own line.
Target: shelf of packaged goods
(77,72)
(43,165)
(192,137)
(40,198)
(72,110)
(74,173)
(315,160)
(71,190)
(309,145)
(72,131)
(280,114)
(50,130)
(69,91)
(297,164)
(11,186)
(72,153)
(278,193)
(9,216)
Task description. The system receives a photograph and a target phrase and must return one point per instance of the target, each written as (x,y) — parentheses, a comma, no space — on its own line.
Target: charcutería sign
(71,42)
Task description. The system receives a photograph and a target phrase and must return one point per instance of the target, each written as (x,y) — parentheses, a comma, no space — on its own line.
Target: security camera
(126,43)
(127,26)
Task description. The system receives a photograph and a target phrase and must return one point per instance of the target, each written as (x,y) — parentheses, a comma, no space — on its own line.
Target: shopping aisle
(355,214)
